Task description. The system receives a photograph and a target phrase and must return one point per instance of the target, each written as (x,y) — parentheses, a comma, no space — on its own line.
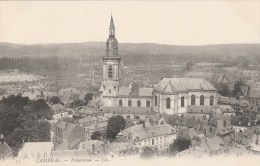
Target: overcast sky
(168,22)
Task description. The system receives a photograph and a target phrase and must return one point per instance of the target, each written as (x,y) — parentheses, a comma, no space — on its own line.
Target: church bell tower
(111,63)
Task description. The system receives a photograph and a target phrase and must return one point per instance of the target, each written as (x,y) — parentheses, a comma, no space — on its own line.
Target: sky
(175,22)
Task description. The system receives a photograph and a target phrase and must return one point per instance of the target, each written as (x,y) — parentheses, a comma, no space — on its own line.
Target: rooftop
(174,85)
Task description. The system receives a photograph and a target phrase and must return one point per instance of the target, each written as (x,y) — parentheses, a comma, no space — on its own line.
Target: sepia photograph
(128,83)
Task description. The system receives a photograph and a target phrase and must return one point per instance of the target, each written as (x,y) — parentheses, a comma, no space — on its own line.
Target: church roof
(112,26)
(174,85)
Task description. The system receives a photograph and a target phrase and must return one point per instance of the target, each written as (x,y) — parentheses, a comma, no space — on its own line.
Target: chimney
(249,124)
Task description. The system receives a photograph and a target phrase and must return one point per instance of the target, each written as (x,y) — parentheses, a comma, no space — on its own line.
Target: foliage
(97,135)
(88,97)
(55,100)
(224,91)
(238,88)
(23,120)
(115,124)
(180,144)
(78,103)
(147,153)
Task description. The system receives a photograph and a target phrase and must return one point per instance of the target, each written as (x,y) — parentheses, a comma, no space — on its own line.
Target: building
(59,112)
(158,137)
(36,150)
(67,136)
(5,150)
(170,96)
(253,96)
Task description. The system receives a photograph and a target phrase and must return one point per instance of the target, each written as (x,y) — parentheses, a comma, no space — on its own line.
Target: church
(169,96)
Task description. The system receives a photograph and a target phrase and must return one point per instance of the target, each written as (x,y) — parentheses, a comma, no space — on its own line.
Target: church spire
(111,28)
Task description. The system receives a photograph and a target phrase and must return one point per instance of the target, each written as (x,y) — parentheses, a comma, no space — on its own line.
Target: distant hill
(130,52)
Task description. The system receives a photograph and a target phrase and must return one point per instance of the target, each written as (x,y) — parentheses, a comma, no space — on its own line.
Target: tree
(96,135)
(21,120)
(238,88)
(180,144)
(224,90)
(147,153)
(88,97)
(55,100)
(115,124)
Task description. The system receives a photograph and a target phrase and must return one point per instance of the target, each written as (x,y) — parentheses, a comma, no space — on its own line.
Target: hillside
(130,52)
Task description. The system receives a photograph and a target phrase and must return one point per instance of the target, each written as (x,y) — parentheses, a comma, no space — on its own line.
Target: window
(138,103)
(155,100)
(137,117)
(182,101)
(128,117)
(129,103)
(152,141)
(168,103)
(120,103)
(110,72)
(109,91)
(147,103)
(201,100)
(192,99)
(211,100)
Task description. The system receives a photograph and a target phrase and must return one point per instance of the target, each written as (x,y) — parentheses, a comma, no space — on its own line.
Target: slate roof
(58,108)
(128,110)
(66,127)
(195,109)
(213,144)
(174,85)
(135,91)
(148,131)
(254,93)
(37,147)
(5,150)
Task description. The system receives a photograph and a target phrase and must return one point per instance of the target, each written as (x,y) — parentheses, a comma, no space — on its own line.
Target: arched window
(211,100)
(182,101)
(138,103)
(120,103)
(137,117)
(193,100)
(147,103)
(201,100)
(128,117)
(110,72)
(129,103)
(155,100)
(168,103)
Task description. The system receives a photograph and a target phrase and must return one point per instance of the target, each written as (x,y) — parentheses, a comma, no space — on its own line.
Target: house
(92,124)
(225,110)
(255,141)
(59,112)
(223,79)
(253,96)
(199,112)
(67,136)
(36,150)
(122,147)
(136,114)
(213,146)
(158,137)
(94,146)
(5,150)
